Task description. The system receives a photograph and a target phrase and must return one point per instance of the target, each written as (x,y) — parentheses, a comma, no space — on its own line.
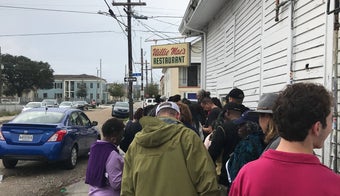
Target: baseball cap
(236,93)
(168,104)
(266,103)
(246,116)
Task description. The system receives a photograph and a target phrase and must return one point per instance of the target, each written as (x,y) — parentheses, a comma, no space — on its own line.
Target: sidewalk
(5,119)
(77,189)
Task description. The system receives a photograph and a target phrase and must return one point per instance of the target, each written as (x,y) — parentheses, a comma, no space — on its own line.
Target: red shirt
(281,173)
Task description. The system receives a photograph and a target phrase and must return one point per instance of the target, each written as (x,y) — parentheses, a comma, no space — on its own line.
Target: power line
(57,33)
(74,32)
(46,9)
(162,35)
(75,11)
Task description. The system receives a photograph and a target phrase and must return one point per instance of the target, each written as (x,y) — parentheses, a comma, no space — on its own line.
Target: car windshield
(39,117)
(32,105)
(122,104)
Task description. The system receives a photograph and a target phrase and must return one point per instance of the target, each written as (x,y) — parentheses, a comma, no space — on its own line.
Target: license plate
(25,138)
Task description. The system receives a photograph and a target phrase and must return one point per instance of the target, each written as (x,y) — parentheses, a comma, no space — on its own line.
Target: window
(58,95)
(45,95)
(91,85)
(97,85)
(58,85)
(189,76)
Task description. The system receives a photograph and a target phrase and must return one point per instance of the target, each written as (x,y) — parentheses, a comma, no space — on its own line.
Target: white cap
(168,104)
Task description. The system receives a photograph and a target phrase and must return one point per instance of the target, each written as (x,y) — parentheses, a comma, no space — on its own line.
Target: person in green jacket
(167,158)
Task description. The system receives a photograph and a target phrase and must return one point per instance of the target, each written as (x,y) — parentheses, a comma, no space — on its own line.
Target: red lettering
(160,52)
(177,51)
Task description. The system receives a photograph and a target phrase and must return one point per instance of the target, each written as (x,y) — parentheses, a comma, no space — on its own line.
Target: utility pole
(142,88)
(146,75)
(129,13)
(100,83)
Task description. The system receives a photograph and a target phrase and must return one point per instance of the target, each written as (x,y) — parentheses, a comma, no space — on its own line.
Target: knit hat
(167,104)
(236,93)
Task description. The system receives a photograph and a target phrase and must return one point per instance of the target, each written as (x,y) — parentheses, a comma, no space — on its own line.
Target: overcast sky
(72,37)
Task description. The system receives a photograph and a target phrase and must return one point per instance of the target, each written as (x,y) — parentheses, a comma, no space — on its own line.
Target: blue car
(47,134)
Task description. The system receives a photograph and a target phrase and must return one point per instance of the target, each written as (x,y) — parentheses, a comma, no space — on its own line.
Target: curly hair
(298,107)
(112,127)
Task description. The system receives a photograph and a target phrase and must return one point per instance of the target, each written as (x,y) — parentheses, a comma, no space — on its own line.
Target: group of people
(183,148)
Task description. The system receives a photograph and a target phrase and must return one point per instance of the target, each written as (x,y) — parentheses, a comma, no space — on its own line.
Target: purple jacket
(96,168)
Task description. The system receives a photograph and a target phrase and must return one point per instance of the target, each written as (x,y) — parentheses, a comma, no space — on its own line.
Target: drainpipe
(335,85)
(204,55)
(335,82)
(290,49)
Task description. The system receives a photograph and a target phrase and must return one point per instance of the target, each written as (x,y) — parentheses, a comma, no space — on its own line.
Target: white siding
(248,49)
(235,60)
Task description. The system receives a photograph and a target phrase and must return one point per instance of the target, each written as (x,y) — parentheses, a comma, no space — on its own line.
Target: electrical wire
(46,9)
(162,35)
(165,22)
(57,33)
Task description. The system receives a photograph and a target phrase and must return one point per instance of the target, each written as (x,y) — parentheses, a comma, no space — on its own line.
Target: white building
(260,46)
(184,81)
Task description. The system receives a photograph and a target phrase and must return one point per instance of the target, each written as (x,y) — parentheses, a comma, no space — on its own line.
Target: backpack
(219,121)
(248,149)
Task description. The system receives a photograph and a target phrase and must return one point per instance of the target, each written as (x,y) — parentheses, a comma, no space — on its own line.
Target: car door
(78,130)
(90,131)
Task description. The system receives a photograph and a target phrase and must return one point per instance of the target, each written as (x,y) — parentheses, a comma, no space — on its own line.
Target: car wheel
(9,163)
(72,159)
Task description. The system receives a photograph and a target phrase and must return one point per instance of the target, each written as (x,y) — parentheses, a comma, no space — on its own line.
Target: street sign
(128,79)
(136,74)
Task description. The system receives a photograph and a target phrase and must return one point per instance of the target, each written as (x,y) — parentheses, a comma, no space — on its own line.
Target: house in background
(65,87)
(183,80)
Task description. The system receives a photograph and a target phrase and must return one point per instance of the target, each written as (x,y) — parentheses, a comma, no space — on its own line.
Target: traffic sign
(128,79)
(136,74)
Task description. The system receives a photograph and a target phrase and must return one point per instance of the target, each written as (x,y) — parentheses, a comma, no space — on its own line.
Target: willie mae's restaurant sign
(170,55)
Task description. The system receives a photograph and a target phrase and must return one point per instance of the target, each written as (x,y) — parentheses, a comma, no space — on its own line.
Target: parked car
(120,109)
(149,101)
(82,105)
(47,134)
(31,105)
(93,103)
(66,104)
(50,103)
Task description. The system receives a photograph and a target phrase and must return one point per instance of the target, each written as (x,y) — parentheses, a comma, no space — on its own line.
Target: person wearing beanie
(236,95)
